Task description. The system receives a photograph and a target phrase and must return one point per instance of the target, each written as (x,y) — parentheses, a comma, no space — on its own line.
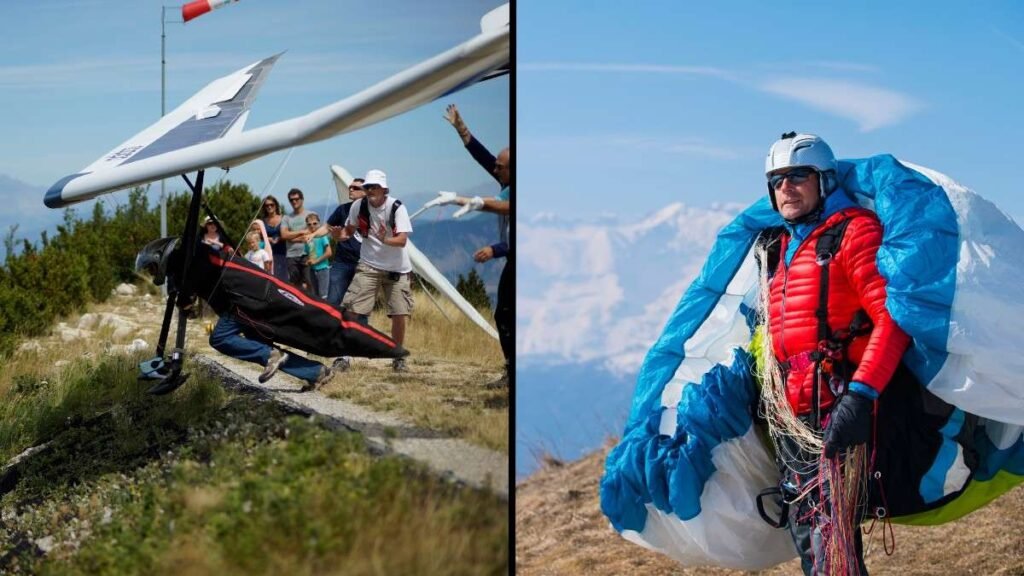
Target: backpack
(364,217)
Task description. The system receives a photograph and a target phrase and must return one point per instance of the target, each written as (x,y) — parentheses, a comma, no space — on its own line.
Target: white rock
(30,346)
(107,514)
(114,321)
(137,345)
(88,321)
(122,332)
(45,544)
(125,290)
(72,334)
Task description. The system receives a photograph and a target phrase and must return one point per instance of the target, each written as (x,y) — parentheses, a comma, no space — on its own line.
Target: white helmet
(793,150)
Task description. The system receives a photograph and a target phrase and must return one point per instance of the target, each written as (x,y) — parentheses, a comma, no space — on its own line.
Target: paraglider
(689,475)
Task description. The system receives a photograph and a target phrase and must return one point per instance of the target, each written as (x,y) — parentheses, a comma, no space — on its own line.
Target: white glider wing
(205,131)
(422,266)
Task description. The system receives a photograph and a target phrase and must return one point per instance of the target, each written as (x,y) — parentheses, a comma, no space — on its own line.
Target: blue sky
(77,77)
(626,108)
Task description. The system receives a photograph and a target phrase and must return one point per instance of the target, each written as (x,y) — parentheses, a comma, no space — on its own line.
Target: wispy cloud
(869,106)
(1017,43)
(842,66)
(687,146)
(625,68)
(136,74)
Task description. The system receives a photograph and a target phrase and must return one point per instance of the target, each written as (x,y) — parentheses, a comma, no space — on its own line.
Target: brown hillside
(560,531)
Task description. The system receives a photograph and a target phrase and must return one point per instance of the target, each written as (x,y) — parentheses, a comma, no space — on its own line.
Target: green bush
(87,258)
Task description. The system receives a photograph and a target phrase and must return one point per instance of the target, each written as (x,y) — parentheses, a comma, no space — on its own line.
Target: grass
(210,482)
(207,482)
(451,360)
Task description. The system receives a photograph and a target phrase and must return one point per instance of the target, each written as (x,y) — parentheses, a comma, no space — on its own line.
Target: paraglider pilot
(835,343)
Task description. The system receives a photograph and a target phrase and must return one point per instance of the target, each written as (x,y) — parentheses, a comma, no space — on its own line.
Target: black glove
(849,424)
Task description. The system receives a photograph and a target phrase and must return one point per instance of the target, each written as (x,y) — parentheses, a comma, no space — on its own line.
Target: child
(318,252)
(257,255)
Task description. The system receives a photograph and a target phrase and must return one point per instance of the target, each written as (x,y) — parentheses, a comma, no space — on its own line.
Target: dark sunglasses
(796,176)
(355,187)
(369,187)
(295,199)
(270,205)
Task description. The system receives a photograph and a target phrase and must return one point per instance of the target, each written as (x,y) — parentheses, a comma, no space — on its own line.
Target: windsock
(200,7)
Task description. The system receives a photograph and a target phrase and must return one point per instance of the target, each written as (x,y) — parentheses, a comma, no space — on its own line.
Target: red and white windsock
(200,7)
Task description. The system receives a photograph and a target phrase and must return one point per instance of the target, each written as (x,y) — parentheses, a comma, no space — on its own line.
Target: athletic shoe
(398,365)
(341,364)
(325,376)
(277,358)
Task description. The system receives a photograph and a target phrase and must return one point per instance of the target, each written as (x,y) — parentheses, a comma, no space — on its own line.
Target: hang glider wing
(342,179)
(424,269)
(205,132)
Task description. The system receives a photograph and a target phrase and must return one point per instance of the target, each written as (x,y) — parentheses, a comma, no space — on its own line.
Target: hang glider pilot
(258,311)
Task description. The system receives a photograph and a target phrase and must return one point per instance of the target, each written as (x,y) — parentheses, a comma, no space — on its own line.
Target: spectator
(318,255)
(295,232)
(256,254)
(501,169)
(271,215)
(346,253)
(211,235)
(384,224)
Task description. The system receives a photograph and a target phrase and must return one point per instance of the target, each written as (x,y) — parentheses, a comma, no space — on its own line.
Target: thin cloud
(843,66)
(870,107)
(1008,38)
(626,68)
(682,146)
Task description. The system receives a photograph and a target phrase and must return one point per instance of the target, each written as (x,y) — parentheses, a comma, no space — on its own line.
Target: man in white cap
(384,224)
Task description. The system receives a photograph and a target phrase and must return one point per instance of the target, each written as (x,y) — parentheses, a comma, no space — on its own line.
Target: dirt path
(385,432)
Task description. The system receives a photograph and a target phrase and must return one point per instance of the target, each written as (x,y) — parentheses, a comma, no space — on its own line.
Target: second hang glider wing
(206,131)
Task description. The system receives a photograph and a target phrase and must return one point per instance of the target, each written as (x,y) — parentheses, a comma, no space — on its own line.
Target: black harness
(364,217)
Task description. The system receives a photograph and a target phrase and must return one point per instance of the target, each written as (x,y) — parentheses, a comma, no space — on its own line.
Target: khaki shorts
(362,293)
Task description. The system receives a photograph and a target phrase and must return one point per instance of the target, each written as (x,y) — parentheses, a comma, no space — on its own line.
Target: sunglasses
(355,187)
(296,199)
(370,187)
(796,176)
(270,205)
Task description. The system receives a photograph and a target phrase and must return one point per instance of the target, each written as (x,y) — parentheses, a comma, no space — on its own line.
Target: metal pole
(163,84)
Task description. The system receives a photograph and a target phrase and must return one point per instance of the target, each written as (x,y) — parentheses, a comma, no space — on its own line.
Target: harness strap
(364,217)
(824,250)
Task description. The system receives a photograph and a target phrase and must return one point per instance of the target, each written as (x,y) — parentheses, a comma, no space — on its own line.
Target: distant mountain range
(591,298)
(449,243)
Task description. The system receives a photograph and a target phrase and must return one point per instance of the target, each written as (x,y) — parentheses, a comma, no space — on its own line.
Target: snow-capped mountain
(601,290)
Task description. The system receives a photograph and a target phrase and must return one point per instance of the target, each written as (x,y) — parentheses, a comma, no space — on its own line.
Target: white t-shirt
(373,251)
(257,257)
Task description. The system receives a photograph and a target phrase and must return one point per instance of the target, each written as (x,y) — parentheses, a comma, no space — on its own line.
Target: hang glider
(207,130)
(421,265)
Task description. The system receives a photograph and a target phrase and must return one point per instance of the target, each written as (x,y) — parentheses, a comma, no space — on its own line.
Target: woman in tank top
(270,214)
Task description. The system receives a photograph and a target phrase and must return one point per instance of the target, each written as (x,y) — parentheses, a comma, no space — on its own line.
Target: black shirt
(347,251)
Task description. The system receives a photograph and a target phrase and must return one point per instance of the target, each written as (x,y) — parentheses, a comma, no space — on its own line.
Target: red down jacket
(854,284)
